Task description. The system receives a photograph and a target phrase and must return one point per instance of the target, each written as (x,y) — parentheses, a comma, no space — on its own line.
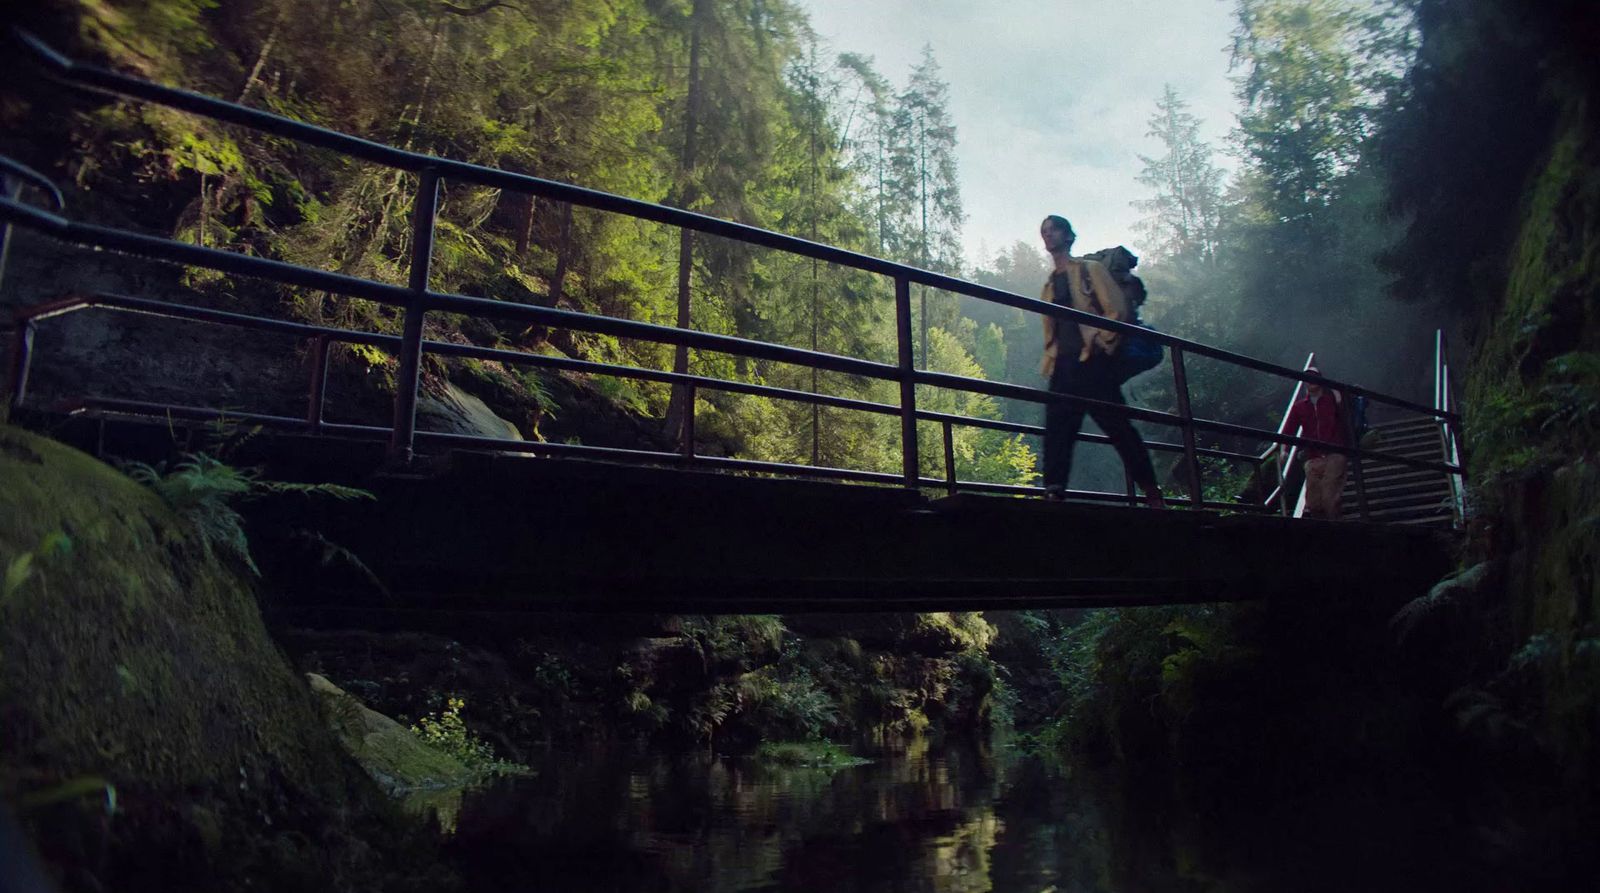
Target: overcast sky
(1050,98)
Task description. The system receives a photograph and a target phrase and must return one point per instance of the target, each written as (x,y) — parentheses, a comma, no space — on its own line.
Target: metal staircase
(1379,489)
(1398,494)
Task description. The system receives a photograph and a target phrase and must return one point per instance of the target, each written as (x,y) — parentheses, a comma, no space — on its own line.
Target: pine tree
(1184,216)
(923,166)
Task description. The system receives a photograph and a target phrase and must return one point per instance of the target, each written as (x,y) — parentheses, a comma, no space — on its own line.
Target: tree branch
(480,9)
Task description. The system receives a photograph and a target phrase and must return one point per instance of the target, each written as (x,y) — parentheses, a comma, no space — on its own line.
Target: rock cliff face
(155,738)
(1533,432)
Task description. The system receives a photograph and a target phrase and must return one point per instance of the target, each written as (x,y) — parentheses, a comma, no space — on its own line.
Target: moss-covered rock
(132,656)
(392,754)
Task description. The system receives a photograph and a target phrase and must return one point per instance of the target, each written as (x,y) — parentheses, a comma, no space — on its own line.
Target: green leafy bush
(448,732)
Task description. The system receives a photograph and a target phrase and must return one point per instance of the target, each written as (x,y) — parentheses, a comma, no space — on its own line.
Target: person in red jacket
(1319,415)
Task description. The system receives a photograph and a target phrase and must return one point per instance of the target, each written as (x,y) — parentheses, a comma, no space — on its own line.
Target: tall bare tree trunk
(262,56)
(677,407)
(563,256)
(525,228)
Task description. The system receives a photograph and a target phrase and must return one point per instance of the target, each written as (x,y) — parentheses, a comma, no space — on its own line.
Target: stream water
(951,818)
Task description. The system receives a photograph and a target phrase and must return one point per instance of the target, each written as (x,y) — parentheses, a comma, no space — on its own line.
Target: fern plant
(204,491)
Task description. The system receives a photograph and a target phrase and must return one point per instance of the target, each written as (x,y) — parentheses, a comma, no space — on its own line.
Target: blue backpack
(1137,354)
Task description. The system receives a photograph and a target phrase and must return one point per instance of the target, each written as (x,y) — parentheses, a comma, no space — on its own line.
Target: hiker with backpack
(1320,415)
(1080,360)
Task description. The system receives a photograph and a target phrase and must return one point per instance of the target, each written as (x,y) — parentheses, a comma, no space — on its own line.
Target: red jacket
(1322,420)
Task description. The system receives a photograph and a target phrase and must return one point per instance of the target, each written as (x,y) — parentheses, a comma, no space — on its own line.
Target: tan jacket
(1112,304)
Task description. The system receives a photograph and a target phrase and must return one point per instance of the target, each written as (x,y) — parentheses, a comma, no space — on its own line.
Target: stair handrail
(1287,461)
(1444,400)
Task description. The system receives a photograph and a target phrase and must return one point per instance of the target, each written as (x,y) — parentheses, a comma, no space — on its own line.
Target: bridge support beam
(501,533)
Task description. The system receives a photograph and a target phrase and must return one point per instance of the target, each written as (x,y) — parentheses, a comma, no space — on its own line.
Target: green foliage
(785,703)
(736,639)
(807,754)
(1113,660)
(448,732)
(204,490)
(1513,430)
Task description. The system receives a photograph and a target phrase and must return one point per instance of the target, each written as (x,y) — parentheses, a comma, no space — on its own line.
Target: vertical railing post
(1191,461)
(22,338)
(908,382)
(319,384)
(1449,431)
(1358,460)
(1285,469)
(1127,480)
(1458,479)
(686,430)
(1438,404)
(409,378)
(17,374)
(949,459)
(11,188)
(1439,396)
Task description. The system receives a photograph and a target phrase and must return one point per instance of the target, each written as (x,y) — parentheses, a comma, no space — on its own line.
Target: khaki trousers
(1324,486)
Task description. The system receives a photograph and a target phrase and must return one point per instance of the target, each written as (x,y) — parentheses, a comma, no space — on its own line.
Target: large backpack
(1136,354)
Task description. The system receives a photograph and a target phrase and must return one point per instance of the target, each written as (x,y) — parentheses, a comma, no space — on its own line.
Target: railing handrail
(1287,462)
(94,78)
(126,303)
(1444,399)
(13,168)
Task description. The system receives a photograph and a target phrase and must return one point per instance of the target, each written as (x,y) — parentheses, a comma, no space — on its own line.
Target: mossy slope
(129,653)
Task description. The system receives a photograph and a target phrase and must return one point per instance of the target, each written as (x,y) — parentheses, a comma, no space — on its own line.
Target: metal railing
(418,299)
(1284,464)
(1444,402)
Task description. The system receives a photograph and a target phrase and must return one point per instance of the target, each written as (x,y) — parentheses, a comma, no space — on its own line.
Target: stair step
(1398,512)
(1448,520)
(1415,421)
(1396,444)
(1411,438)
(1392,506)
(1430,446)
(1421,453)
(1394,473)
(1408,426)
(1437,485)
(1375,495)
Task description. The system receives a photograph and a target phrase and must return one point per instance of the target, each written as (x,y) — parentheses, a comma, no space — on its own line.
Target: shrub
(448,732)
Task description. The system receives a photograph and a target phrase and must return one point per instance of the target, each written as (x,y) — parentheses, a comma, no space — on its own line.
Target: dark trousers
(1093,380)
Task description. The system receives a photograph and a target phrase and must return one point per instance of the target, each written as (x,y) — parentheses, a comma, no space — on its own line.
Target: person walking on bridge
(1319,415)
(1077,361)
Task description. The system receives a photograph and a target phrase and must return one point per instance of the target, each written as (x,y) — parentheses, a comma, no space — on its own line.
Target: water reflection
(956,818)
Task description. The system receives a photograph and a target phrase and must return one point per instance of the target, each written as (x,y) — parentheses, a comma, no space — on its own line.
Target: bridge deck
(479,531)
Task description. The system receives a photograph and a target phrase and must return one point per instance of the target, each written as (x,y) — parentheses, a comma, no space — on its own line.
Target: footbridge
(502,524)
